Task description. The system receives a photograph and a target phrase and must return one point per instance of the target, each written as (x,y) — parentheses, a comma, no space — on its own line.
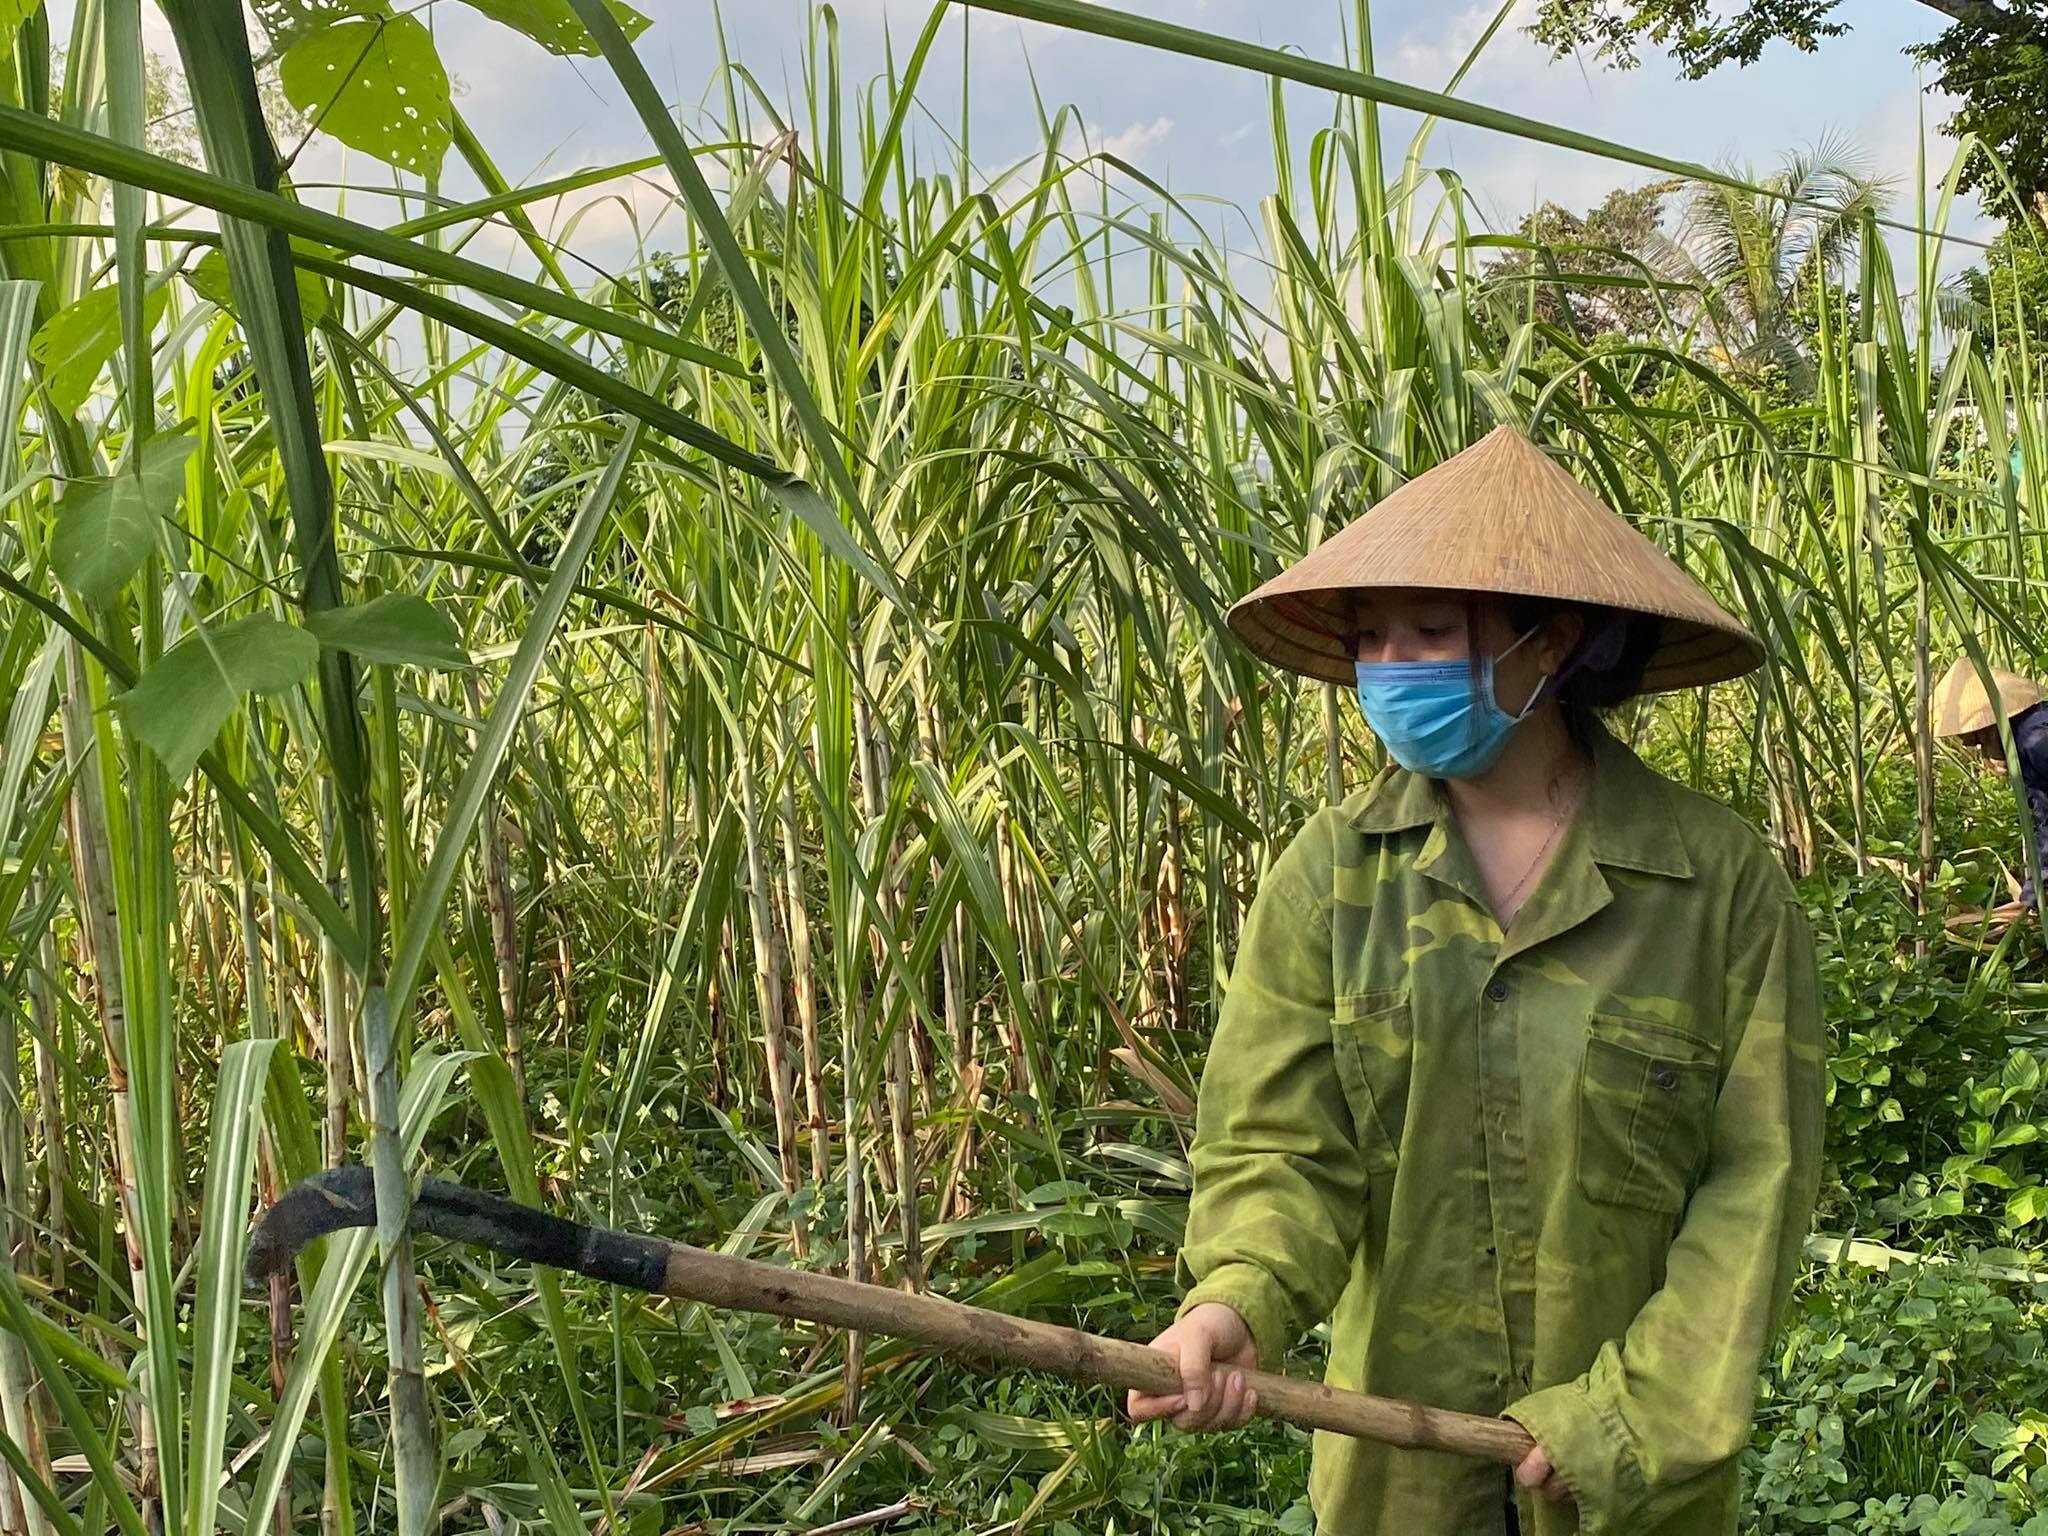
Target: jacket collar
(1628,820)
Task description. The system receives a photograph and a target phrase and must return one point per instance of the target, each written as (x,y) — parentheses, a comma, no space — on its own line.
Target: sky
(1201,128)
(1198,127)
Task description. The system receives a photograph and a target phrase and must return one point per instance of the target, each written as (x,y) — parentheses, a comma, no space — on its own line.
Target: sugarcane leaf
(398,629)
(237,1116)
(209,279)
(107,527)
(554,26)
(180,704)
(74,344)
(378,85)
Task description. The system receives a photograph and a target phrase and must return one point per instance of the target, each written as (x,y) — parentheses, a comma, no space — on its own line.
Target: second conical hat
(1962,704)
(1501,517)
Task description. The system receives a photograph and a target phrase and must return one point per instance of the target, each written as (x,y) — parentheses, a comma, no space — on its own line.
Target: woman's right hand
(1213,1349)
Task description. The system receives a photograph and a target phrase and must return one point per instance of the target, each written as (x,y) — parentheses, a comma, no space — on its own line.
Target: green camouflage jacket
(1563,1174)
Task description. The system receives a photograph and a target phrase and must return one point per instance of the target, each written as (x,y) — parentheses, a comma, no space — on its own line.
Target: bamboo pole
(345,1198)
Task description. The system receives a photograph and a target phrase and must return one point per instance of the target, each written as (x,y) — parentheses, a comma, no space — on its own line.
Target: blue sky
(1201,128)
(1198,127)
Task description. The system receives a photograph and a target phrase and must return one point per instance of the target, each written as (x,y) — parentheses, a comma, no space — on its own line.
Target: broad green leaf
(107,527)
(286,21)
(377,85)
(74,344)
(209,279)
(554,26)
(398,629)
(181,703)
(2027,1206)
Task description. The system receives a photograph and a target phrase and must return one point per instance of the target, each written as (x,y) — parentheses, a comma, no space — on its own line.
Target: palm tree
(1752,258)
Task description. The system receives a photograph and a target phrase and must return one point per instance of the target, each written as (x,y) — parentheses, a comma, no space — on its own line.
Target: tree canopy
(1992,57)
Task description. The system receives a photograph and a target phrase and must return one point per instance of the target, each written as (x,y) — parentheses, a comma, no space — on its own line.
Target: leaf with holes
(106,528)
(398,629)
(377,85)
(209,279)
(554,26)
(74,344)
(182,702)
(286,21)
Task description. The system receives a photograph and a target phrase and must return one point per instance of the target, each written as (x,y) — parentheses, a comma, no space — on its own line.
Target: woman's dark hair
(1597,686)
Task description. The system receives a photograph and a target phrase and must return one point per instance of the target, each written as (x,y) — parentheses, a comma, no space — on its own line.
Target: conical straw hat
(1499,517)
(1962,704)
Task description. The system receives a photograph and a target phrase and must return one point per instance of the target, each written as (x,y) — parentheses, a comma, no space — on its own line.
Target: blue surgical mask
(1431,718)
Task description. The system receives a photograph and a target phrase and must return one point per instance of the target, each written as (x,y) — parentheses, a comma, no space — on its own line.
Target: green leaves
(74,344)
(181,703)
(2027,1206)
(209,279)
(397,629)
(554,26)
(377,85)
(106,528)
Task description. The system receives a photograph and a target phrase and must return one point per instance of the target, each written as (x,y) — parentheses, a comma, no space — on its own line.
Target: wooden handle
(694,1274)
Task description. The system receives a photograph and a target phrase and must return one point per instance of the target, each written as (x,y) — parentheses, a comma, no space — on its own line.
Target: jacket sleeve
(1672,1400)
(2030,737)
(1280,1187)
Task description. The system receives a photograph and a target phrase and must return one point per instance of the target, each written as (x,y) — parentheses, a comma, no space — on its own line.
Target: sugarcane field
(977,767)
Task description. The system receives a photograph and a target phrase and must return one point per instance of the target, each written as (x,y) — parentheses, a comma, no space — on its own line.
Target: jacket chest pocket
(1646,1105)
(1374,1037)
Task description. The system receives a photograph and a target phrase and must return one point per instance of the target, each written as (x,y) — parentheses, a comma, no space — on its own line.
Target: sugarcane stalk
(42,1007)
(497,891)
(874,767)
(804,986)
(952,944)
(768,989)
(269,1176)
(99,946)
(18,1509)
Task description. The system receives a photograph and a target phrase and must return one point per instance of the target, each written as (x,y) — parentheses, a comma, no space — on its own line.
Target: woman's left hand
(1536,1472)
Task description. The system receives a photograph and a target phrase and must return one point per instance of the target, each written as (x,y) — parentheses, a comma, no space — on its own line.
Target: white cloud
(1136,142)
(1429,59)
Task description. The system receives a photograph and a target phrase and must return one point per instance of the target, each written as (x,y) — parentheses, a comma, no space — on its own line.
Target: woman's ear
(1561,633)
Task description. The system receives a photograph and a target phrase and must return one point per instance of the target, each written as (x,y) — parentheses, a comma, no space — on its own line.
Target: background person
(1963,711)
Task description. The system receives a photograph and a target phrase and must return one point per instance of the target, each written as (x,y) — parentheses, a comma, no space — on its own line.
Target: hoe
(343,1197)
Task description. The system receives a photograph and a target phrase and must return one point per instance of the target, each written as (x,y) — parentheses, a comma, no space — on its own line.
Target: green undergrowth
(1910,1401)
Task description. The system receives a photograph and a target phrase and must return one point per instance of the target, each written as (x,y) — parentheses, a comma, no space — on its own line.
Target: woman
(1963,710)
(1519,1067)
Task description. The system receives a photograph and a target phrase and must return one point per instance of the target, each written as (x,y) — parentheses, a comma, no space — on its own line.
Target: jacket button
(1665,1078)
(1497,990)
